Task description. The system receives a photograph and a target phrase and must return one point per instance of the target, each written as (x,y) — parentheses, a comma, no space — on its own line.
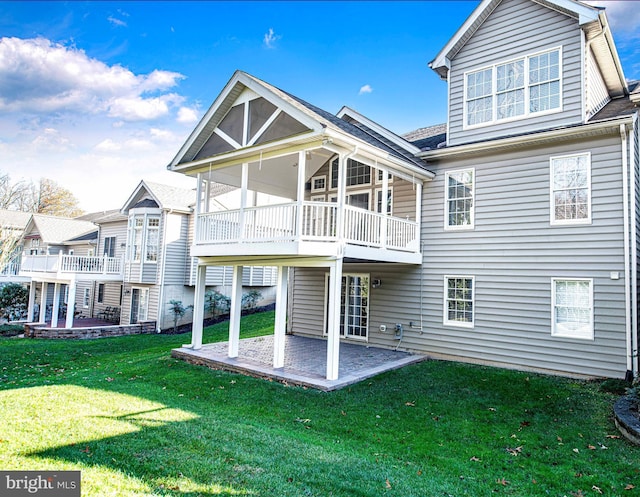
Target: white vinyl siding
(458,301)
(459,199)
(572,311)
(571,189)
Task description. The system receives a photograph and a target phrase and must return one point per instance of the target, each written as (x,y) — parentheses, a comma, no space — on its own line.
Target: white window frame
(314,188)
(527,93)
(351,193)
(378,191)
(472,212)
(141,256)
(587,331)
(552,200)
(330,186)
(343,328)
(147,231)
(380,176)
(445,309)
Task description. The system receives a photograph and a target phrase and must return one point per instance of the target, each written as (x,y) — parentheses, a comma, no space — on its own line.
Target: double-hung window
(153,239)
(572,308)
(459,301)
(515,89)
(571,189)
(144,238)
(459,194)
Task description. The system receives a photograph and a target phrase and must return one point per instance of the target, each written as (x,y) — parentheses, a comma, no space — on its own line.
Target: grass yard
(137,422)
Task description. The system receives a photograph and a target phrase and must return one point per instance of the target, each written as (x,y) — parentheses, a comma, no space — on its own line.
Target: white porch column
(384,194)
(243,199)
(56,305)
(198,307)
(43,302)
(235,312)
(32,300)
(342,193)
(333,331)
(418,216)
(71,303)
(300,193)
(280,326)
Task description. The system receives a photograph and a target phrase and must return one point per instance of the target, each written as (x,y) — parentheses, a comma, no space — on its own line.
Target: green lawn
(137,422)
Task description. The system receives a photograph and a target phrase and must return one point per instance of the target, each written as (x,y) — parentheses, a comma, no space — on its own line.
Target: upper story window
(571,189)
(110,246)
(459,193)
(144,237)
(515,89)
(357,173)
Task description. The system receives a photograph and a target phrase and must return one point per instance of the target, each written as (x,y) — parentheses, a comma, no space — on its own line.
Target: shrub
(178,310)
(216,303)
(250,300)
(13,301)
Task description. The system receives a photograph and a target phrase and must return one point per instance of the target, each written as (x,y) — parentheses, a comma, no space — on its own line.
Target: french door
(354,306)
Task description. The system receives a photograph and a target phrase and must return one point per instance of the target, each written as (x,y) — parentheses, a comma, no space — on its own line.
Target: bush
(13,301)
(178,310)
(250,300)
(11,330)
(216,303)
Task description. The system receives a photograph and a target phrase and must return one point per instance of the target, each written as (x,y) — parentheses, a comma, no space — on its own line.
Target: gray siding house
(507,236)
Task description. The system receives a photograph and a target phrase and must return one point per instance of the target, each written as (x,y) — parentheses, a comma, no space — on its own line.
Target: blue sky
(99,95)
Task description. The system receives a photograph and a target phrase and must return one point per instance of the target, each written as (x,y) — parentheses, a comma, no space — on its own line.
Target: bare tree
(10,250)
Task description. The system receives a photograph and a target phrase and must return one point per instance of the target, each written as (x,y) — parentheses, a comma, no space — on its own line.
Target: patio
(305,361)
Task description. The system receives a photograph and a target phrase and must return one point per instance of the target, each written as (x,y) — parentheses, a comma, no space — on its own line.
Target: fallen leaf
(474,458)
(343,413)
(388,485)
(578,475)
(576,451)
(597,489)
(525,423)
(515,451)
(559,439)
(602,446)
(420,473)
(502,481)
(410,404)
(612,436)
(629,487)
(591,447)
(492,409)
(108,378)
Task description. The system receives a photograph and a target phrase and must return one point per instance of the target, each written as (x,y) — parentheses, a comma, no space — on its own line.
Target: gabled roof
(317,121)
(164,196)
(102,217)
(429,137)
(591,19)
(57,230)
(14,219)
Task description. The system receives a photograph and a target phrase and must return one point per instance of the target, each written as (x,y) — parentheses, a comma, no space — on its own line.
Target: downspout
(164,262)
(627,255)
(634,246)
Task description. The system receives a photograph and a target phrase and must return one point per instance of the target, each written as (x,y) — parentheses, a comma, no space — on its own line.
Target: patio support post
(56,305)
(198,308)
(333,331)
(300,193)
(32,300)
(235,312)
(280,326)
(43,303)
(71,303)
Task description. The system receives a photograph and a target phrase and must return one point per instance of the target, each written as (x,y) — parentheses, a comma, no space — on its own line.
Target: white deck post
(300,193)
(198,307)
(56,305)
(384,194)
(280,326)
(333,331)
(235,312)
(32,300)
(71,303)
(243,201)
(43,303)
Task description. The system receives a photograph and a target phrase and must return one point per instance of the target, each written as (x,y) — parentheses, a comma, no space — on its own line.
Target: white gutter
(634,247)
(521,140)
(627,255)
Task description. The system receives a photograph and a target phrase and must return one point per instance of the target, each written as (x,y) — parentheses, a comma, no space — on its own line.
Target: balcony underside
(258,251)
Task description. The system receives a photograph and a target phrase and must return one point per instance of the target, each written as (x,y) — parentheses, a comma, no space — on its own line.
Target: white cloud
(623,15)
(365,89)
(270,38)
(51,140)
(187,115)
(117,22)
(40,77)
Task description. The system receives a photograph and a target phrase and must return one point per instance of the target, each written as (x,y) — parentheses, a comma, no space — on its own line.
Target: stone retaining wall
(36,330)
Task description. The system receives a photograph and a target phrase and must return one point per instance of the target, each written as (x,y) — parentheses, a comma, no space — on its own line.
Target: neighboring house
(124,265)
(507,236)
(12,225)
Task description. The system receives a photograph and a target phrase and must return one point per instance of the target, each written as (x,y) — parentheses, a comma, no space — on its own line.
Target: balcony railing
(72,264)
(319,221)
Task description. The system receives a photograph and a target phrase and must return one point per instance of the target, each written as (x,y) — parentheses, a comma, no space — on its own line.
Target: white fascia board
(389,135)
(205,119)
(397,164)
(614,51)
(530,139)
